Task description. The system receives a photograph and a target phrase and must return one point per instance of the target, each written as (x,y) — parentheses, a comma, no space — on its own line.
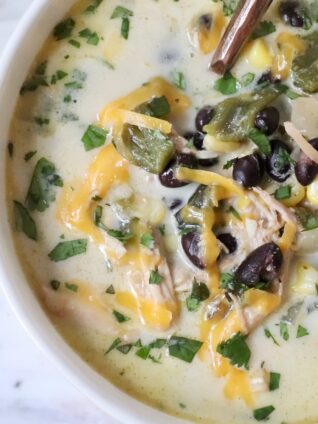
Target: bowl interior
(16,60)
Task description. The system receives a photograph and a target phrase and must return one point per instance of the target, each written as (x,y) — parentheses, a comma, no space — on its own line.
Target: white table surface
(32,391)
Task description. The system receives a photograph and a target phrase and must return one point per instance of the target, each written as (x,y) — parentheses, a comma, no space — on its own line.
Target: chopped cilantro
(263,28)
(125,27)
(124,14)
(90,36)
(125,348)
(29,155)
(199,293)
(274,381)
(261,141)
(307,218)
(40,193)
(67,249)
(120,317)
(113,346)
(110,290)
(155,278)
(71,287)
(261,414)
(159,107)
(147,240)
(269,335)
(283,329)
(41,121)
(38,79)
(143,352)
(93,7)
(236,350)
(247,79)
(178,79)
(183,348)
(23,221)
(227,85)
(74,43)
(64,29)
(301,332)
(55,284)
(94,137)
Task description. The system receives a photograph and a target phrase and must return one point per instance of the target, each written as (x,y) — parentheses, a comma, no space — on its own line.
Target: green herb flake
(125,349)
(66,249)
(283,192)
(229,164)
(183,348)
(199,293)
(162,229)
(261,414)
(113,346)
(29,155)
(23,221)
(144,352)
(121,12)
(55,285)
(236,350)
(74,43)
(261,141)
(40,193)
(227,85)
(147,240)
(155,278)
(93,7)
(41,121)
(283,329)
(178,79)
(269,335)
(64,29)
(94,137)
(291,94)
(120,317)
(90,36)
(71,287)
(301,332)
(274,381)
(263,28)
(38,79)
(125,27)
(110,290)
(307,218)
(120,235)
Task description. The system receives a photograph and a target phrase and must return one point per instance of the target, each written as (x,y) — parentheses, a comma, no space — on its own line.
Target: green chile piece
(305,66)
(234,117)
(148,149)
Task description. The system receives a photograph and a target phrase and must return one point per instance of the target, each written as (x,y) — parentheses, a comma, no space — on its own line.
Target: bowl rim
(22,300)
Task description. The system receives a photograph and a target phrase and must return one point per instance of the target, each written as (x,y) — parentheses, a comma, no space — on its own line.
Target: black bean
(290,13)
(248,170)
(306,169)
(168,178)
(267,120)
(262,265)
(229,241)
(204,117)
(198,139)
(278,165)
(191,244)
(207,162)
(267,78)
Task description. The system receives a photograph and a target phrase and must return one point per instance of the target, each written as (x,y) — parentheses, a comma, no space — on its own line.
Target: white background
(32,391)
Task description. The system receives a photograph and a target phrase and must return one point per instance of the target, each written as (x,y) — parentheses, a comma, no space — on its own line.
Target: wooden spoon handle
(240,28)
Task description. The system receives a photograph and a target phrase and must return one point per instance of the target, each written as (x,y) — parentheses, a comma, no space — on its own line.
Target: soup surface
(166,216)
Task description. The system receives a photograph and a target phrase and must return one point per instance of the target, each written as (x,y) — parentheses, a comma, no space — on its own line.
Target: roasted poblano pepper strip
(149,149)
(200,200)
(234,117)
(305,66)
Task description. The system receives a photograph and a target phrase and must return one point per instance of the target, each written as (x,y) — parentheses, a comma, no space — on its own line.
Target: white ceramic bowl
(16,60)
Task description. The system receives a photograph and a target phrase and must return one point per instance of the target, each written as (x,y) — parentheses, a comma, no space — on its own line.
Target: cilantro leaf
(120,317)
(199,293)
(261,414)
(67,249)
(228,84)
(64,29)
(24,221)
(155,278)
(236,350)
(178,79)
(94,137)
(263,28)
(283,329)
(274,381)
(261,141)
(147,240)
(301,332)
(183,348)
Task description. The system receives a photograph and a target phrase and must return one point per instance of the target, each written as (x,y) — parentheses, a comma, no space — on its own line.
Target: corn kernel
(258,54)
(298,193)
(306,281)
(312,192)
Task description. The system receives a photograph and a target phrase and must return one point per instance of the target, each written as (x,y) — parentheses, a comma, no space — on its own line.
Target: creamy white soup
(166,216)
